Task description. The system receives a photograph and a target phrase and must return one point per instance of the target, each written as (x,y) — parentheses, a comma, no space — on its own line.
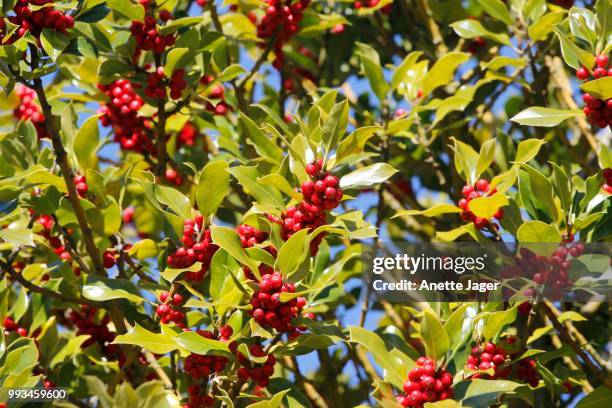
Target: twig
(62,160)
(44,291)
(160,132)
(600,372)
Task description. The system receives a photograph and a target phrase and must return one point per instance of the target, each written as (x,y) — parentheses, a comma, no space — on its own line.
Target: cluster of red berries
(259,373)
(121,112)
(372,3)
(216,92)
(527,372)
(250,236)
(607,175)
(28,109)
(10,325)
(167,311)
(597,111)
(268,309)
(302,216)
(196,399)
(146,34)
(197,247)
(550,271)
(323,191)
(87,322)
(47,222)
(426,384)
(280,22)
(188,135)
(488,356)
(157,83)
(80,183)
(35,19)
(479,189)
(201,366)
(320,195)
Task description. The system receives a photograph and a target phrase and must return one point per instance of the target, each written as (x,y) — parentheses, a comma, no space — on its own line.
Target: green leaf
(496,9)
(53,42)
(335,125)
(466,159)
(231,72)
(545,117)
(263,194)
(431,212)
(354,143)
(155,342)
(274,402)
(433,335)
(601,88)
(502,61)
(100,292)
(541,29)
(201,345)
(496,321)
(69,350)
(177,58)
(538,231)
(583,25)
(447,403)
(229,240)
(482,393)
(528,149)
(369,176)
(86,143)
(126,9)
(485,156)
(174,199)
(400,72)
(541,185)
(604,16)
(293,253)
(213,187)
(262,143)
(373,70)
(17,236)
(485,207)
(452,235)
(143,249)
(573,55)
(562,186)
(442,72)
(393,372)
(170,274)
(472,28)
(281,184)
(600,397)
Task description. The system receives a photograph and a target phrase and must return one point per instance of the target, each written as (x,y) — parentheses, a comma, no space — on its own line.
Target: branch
(160,132)
(309,388)
(600,372)
(44,291)
(62,160)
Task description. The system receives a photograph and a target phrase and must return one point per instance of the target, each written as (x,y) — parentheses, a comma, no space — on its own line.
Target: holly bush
(187,188)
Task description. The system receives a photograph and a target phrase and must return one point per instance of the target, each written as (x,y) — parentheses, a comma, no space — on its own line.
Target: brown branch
(62,160)
(44,291)
(306,384)
(160,132)
(586,359)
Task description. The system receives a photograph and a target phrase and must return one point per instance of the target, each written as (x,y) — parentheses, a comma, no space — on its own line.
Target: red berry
(582,73)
